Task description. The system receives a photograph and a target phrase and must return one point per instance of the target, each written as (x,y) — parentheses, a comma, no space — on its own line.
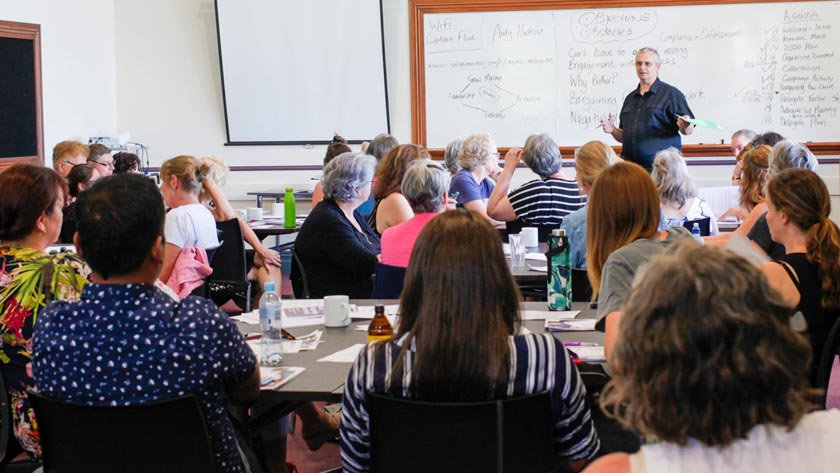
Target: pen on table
(283,333)
(581,344)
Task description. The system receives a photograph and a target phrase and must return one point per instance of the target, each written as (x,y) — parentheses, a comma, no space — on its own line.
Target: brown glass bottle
(379,328)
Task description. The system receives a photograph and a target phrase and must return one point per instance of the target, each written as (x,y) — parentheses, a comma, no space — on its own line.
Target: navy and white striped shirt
(545,202)
(539,362)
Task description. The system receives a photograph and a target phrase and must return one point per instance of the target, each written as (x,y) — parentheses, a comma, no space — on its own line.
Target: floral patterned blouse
(29,280)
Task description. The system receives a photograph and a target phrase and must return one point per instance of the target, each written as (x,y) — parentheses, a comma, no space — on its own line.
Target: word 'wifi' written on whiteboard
(515,73)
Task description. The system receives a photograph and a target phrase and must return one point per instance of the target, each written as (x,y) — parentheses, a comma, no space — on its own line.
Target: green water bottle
(559,271)
(289,209)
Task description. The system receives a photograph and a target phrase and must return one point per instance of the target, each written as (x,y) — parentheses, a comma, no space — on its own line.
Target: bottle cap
(289,189)
(269,286)
(379,308)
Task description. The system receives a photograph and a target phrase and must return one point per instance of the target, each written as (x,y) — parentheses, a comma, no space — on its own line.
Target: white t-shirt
(191,226)
(812,447)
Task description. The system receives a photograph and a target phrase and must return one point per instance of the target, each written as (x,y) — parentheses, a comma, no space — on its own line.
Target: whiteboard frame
(419,8)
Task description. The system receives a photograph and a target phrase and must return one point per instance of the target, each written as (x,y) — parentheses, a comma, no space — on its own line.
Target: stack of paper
(274,377)
(575,325)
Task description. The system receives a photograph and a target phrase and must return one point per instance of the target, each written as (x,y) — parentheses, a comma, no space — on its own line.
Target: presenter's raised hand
(608,125)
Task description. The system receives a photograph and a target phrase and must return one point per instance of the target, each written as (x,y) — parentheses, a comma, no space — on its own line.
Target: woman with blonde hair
(707,365)
(473,184)
(808,275)
(677,192)
(188,224)
(391,207)
(266,260)
(590,160)
(622,236)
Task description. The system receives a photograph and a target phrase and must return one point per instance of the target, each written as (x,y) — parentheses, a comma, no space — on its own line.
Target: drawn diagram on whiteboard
(487,96)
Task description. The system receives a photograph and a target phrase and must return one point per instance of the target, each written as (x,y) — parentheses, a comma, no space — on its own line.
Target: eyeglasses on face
(107,164)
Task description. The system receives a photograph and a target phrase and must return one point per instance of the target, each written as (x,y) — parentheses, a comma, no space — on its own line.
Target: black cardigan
(337,258)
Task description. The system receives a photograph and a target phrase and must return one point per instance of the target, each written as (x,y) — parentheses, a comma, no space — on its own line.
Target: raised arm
(499,207)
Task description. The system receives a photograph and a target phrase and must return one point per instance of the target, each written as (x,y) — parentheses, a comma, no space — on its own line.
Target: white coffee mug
(531,237)
(254,213)
(336,311)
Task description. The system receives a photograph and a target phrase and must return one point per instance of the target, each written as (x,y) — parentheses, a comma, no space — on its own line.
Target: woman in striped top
(543,202)
(457,342)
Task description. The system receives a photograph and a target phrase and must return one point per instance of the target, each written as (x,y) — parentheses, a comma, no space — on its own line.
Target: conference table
(324,381)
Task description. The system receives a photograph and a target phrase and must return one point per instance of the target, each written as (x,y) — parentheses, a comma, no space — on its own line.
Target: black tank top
(806,277)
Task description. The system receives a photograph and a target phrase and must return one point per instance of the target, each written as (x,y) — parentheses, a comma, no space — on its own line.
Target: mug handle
(345,308)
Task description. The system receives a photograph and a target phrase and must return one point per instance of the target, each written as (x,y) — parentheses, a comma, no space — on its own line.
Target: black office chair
(705,225)
(163,436)
(7,437)
(825,371)
(300,286)
(229,276)
(581,287)
(513,435)
(388,281)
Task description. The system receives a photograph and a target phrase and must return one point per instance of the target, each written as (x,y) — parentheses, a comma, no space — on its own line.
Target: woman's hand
(269,257)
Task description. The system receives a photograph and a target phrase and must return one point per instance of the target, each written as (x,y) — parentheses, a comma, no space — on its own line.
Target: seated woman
(808,275)
(785,154)
(706,363)
(541,203)
(450,156)
(266,265)
(457,341)
(335,245)
(424,185)
(189,225)
(80,178)
(30,220)
(391,207)
(621,237)
(590,160)
(337,146)
(677,192)
(125,162)
(473,184)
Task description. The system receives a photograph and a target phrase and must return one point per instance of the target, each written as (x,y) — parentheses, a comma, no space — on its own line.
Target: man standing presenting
(648,119)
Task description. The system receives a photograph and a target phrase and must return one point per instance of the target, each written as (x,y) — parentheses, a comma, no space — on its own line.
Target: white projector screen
(296,72)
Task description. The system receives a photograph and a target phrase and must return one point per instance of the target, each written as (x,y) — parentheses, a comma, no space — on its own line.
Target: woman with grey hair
(424,186)
(677,193)
(543,202)
(450,156)
(336,247)
(472,185)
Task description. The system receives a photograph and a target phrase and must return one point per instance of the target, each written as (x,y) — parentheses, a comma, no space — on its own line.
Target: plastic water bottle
(695,233)
(271,325)
(559,271)
(289,213)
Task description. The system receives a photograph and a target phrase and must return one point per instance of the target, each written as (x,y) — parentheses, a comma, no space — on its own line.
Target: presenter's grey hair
(475,152)
(542,155)
(653,51)
(748,134)
(450,156)
(424,185)
(790,154)
(670,173)
(346,176)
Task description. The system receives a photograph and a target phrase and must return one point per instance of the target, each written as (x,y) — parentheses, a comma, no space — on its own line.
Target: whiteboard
(769,66)
(300,71)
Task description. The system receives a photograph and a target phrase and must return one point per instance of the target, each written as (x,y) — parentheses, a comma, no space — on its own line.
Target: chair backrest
(388,281)
(300,286)
(512,435)
(828,370)
(228,262)
(581,287)
(163,436)
(705,225)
